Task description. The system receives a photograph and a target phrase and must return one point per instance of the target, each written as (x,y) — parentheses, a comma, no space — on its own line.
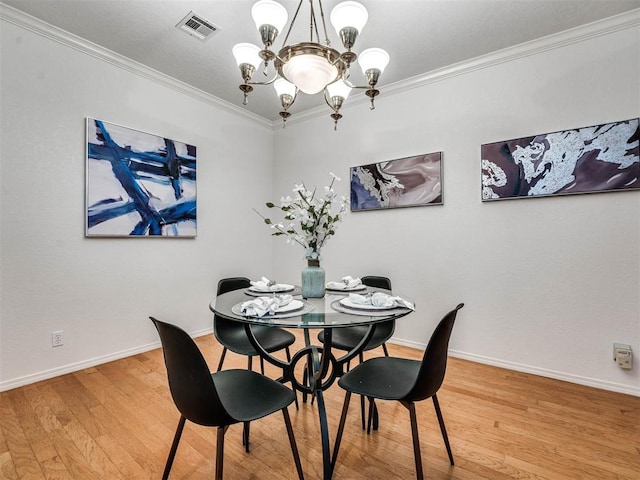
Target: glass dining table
(321,365)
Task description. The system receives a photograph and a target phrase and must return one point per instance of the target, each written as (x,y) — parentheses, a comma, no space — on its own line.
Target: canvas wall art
(600,158)
(138,184)
(404,182)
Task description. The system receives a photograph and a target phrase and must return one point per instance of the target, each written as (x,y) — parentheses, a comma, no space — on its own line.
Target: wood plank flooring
(117,420)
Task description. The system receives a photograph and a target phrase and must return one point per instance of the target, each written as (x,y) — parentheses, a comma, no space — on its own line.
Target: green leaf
(267,221)
(270,205)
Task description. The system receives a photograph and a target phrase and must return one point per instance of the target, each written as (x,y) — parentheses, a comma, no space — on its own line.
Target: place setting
(372,304)
(274,306)
(345,285)
(264,285)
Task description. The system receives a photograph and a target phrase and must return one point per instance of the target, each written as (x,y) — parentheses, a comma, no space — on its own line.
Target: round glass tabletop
(328,312)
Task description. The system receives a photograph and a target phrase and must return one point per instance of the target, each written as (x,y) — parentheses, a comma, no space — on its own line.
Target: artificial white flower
(311,220)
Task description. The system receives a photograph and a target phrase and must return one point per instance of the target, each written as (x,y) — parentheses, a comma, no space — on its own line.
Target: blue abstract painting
(138,184)
(404,182)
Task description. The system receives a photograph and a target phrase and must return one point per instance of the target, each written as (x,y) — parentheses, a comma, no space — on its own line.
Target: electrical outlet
(622,355)
(56,339)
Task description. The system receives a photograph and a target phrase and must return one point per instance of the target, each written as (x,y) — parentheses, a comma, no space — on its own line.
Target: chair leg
(373,415)
(292,441)
(376,418)
(220,451)
(436,405)
(343,418)
(262,365)
(245,435)
(250,363)
(416,440)
(174,447)
(384,348)
(362,419)
(224,352)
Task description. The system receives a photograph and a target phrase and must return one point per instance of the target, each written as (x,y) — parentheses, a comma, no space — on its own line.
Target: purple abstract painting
(138,184)
(405,182)
(600,158)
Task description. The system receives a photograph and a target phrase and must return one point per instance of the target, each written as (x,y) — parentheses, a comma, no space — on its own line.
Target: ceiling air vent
(198,27)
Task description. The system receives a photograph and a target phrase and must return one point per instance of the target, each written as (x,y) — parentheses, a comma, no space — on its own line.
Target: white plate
(278,288)
(346,302)
(290,307)
(358,288)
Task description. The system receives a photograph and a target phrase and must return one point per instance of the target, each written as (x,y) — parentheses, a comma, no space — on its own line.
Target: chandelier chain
(324,26)
(293,20)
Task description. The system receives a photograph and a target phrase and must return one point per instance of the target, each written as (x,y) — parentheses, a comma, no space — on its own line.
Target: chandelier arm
(351,85)
(293,20)
(268,82)
(325,95)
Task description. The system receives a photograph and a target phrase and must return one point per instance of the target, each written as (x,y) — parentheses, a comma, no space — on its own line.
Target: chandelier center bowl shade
(309,66)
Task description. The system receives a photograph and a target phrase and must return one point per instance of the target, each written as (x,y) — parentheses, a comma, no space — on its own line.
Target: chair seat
(271,339)
(266,396)
(386,378)
(346,338)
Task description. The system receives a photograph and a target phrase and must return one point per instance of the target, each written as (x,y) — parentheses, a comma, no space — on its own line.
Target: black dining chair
(217,399)
(232,335)
(405,380)
(347,338)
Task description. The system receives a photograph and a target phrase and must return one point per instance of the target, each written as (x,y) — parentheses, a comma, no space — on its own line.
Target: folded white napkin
(345,283)
(379,299)
(266,285)
(261,306)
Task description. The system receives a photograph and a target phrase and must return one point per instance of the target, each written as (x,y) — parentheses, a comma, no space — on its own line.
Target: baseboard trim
(518,367)
(91,362)
(542,372)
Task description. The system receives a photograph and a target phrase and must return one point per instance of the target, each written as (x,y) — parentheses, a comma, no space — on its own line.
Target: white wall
(100,292)
(549,284)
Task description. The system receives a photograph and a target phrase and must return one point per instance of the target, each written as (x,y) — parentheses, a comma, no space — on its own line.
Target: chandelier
(310,67)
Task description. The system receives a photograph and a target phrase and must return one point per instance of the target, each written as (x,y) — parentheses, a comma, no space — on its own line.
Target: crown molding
(46,30)
(607,26)
(599,28)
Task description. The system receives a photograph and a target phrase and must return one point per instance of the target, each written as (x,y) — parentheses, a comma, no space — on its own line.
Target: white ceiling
(420,35)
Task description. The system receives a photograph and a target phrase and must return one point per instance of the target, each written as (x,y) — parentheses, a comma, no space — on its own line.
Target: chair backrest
(377,282)
(434,360)
(223,328)
(190,382)
(232,283)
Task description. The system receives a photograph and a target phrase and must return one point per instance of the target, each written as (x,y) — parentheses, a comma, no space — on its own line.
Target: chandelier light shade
(270,18)
(348,19)
(283,87)
(247,53)
(308,69)
(268,12)
(373,59)
(286,92)
(310,66)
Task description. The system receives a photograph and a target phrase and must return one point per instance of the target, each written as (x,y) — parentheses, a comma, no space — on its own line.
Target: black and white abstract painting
(600,158)
(404,182)
(138,184)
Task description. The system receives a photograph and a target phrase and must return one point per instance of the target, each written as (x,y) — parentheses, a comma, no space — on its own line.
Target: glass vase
(313,279)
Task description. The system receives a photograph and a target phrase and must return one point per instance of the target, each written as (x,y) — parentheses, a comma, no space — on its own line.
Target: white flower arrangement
(311,221)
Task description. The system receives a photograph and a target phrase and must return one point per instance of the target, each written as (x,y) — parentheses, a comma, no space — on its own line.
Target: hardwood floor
(116,421)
